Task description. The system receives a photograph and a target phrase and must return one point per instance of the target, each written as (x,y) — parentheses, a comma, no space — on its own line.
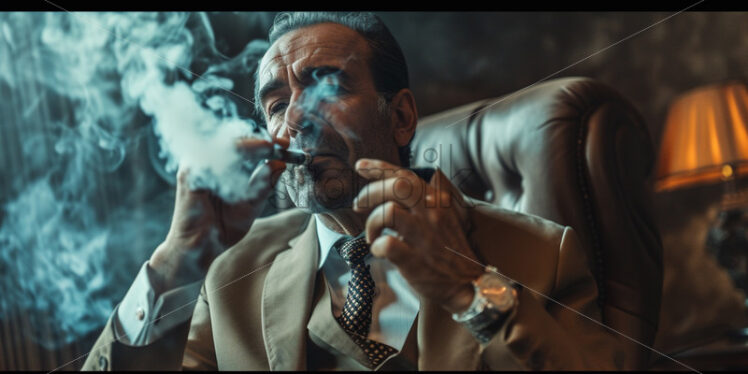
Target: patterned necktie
(356,316)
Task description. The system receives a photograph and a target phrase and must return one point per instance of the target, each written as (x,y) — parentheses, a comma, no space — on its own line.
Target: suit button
(102,362)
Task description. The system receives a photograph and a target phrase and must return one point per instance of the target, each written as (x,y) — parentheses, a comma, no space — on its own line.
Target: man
(390,269)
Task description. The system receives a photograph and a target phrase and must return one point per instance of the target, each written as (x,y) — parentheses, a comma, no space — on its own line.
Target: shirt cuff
(142,319)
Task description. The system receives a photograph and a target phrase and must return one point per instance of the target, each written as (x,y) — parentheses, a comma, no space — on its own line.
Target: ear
(404,116)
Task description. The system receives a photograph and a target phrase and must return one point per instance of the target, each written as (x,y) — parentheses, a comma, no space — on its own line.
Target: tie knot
(354,250)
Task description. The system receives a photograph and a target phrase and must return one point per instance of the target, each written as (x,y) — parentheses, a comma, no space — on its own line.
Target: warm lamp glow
(706,137)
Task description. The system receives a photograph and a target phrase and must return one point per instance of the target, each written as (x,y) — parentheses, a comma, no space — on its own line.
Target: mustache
(319,137)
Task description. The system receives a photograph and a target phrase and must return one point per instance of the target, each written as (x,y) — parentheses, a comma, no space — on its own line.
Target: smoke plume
(82,208)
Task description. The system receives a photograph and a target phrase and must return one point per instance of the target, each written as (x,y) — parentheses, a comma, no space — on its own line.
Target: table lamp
(705,142)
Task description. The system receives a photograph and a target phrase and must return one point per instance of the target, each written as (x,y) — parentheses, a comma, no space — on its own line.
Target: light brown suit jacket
(256,300)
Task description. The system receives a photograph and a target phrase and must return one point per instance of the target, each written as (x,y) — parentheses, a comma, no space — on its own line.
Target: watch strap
(485,325)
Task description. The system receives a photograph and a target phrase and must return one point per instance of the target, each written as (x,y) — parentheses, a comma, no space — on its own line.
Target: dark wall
(457,58)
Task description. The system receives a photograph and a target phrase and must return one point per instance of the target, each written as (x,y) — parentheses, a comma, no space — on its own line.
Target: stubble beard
(320,191)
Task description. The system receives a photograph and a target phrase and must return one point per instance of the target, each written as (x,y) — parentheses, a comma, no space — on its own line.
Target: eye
(332,85)
(327,85)
(328,89)
(276,107)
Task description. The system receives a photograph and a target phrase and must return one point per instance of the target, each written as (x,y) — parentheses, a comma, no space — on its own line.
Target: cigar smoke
(82,207)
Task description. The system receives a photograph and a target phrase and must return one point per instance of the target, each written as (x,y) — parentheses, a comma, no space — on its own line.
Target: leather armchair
(576,152)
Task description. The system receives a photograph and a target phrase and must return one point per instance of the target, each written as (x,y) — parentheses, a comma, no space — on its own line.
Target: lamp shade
(706,137)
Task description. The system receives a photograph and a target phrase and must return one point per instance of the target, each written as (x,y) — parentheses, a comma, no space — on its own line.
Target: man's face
(316,88)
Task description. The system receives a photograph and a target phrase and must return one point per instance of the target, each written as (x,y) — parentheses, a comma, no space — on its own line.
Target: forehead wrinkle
(318,57)
(288,47)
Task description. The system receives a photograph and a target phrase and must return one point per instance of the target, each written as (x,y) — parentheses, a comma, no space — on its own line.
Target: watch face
(497,291)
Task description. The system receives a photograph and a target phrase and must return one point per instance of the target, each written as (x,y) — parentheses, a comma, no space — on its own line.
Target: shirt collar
(327,238)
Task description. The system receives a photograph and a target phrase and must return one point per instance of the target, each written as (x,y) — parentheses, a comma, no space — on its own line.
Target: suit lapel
(286,301)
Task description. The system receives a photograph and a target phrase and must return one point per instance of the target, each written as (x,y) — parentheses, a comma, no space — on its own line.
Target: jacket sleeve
(564,333)
(188,345)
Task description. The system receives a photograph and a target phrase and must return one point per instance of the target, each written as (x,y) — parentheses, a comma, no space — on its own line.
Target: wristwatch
(495,298)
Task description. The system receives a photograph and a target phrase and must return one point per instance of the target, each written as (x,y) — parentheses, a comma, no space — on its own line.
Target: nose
(297,121)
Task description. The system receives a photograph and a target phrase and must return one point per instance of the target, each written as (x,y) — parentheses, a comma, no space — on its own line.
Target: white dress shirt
(141,320)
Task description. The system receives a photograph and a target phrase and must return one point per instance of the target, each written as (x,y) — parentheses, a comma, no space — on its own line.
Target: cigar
(291,156)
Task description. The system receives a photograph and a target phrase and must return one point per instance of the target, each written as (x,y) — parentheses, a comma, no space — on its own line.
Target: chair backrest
(576,152)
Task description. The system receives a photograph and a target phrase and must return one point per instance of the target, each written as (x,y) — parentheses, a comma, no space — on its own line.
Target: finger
(388,215)
(391,248)
(264,177)
(276,170)
(373,169)
(406,189)
(183,174)
(284,142)
(254,148)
